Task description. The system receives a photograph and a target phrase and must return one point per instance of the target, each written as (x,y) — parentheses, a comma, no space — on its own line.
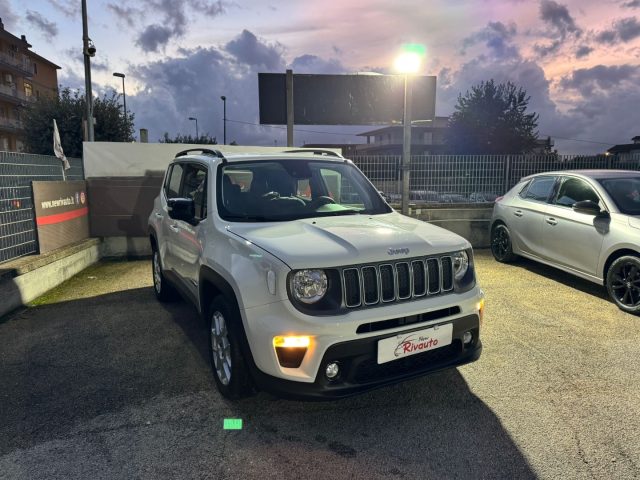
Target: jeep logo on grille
(398,251)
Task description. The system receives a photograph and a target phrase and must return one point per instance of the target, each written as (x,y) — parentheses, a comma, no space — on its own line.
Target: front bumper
(360,371)
(265,322)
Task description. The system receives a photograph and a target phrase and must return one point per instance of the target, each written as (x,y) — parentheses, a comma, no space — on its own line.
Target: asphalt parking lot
(98,380)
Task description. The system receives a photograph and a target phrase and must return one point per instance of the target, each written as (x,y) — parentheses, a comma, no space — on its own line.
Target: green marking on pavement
(232,424)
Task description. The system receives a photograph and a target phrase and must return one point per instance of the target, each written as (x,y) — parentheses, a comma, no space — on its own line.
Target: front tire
(623,283)
(228,364)
(501,246)
(165,292)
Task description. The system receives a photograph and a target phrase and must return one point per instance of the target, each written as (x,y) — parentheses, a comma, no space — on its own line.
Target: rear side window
(539,189)
(194,186)
(172,187)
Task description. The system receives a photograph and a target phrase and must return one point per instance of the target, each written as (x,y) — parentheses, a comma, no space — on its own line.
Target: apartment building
(427,138)
(24,77)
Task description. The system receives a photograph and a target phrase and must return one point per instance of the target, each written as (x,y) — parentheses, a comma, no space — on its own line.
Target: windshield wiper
(249,218)
(346,211)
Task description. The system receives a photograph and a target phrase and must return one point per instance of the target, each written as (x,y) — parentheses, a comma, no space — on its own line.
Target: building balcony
(10,125)
(13,95)
(19,65)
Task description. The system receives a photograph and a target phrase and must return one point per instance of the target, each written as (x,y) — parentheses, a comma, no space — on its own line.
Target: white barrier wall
(111,159)
(123,179)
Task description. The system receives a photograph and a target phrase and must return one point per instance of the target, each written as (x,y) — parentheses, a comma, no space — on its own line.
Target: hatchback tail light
(498,199)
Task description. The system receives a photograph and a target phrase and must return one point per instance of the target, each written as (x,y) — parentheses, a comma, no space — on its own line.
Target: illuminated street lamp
(408,62)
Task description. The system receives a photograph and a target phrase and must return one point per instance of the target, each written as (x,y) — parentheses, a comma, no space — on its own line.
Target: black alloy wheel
(623,283)
(501,244)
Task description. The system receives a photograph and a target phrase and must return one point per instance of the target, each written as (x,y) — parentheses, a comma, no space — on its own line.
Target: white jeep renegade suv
(311,285)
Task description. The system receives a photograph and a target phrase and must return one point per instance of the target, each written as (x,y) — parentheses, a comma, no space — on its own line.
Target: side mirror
(182,209)
(588,207)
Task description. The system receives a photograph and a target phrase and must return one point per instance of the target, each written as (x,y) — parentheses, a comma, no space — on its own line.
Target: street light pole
(406,145)
(88,51)
(196,120)
(124,95)
(224,119)
(408,63)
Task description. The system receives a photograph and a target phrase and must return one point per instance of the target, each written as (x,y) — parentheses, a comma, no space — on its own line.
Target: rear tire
(165,292)
(623,283)
(228,364)
(501,247)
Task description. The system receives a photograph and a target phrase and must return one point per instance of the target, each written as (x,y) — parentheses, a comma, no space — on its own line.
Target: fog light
(467,337)
(480,307)
(291,341)
(332,370)
(291,350)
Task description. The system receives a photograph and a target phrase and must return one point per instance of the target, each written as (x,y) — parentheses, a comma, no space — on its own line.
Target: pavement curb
(25,279)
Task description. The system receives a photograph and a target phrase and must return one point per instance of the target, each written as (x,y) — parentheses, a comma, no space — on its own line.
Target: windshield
(281,190)
(625,192)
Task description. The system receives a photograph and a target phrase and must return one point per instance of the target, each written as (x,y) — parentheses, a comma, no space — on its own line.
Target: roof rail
(315,151)
(203,151)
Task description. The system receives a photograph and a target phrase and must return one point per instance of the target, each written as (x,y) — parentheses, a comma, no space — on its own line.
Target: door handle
(175,228)
(518,213)
(159,215)
(551,221)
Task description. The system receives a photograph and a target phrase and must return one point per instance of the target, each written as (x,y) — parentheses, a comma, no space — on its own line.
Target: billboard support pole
(87,73)
(406,146)
(289,88)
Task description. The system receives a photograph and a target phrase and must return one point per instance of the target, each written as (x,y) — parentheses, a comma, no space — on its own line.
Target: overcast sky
(579,59)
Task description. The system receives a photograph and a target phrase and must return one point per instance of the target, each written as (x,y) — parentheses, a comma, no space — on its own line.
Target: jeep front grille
(370,285)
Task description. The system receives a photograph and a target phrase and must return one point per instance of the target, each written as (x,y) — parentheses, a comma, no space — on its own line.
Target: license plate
(411,343)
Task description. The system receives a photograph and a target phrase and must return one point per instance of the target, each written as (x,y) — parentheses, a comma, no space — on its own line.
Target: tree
(205,139)
(68,108)
(492,119)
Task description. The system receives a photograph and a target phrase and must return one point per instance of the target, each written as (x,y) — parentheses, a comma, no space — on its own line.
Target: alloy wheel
(500,242)
(221,348)
(625,285)
(157,273)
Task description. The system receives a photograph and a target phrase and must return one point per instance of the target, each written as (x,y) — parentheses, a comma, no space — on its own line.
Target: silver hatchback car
(584,222)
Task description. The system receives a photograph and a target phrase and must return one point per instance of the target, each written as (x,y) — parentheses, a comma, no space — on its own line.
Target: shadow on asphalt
(563,277)
(69,362)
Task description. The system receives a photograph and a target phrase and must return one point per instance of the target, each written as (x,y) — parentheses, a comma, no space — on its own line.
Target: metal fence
(17,219)
(462,179)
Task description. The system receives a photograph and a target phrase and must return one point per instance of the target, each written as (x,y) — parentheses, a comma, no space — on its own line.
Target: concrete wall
(25,279)
(120,206)
(123,180)
(471,223)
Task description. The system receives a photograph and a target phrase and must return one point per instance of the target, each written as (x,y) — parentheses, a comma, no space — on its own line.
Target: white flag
(57,146)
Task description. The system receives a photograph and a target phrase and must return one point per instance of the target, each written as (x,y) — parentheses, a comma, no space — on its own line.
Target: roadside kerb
(25,279)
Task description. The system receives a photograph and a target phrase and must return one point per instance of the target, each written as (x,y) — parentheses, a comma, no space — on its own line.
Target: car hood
(345,240)
(634,221)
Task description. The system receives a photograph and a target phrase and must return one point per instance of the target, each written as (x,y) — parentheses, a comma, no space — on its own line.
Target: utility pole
(88,51)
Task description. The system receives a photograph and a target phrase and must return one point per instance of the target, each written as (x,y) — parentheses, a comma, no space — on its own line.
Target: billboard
(344,99)
(62,213)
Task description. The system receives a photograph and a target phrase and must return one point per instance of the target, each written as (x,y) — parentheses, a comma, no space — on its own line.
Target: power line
(577,139)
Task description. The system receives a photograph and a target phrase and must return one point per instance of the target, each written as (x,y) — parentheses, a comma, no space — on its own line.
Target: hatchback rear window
(539,189)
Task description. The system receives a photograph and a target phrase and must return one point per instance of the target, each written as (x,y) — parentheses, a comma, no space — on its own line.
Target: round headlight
(460,264)
(309,286)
